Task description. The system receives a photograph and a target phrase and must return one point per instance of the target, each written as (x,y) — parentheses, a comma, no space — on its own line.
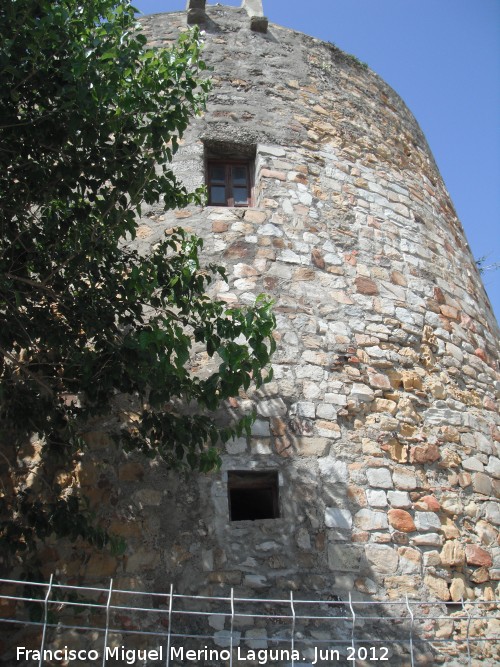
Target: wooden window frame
(228,165)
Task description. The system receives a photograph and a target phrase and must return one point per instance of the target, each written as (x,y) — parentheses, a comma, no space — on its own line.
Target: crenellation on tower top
(253,7)
(195,11)
(255,10)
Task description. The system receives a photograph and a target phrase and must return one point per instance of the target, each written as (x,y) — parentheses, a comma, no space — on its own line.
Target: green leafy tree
(89,121)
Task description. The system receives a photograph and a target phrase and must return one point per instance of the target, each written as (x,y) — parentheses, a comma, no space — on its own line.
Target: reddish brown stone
(431,502)
(283,447)
(183,214)
(477,556)
(481,354)
(424,453)
(351,257)
(401,520)
(317,258)
(450,312)
(219,226)
(398,279)
(239,249)
(366,285)
(438,295)
(269,173)
(278,426)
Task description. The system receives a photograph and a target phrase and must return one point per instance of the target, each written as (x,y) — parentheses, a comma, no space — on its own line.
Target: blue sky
(443,58)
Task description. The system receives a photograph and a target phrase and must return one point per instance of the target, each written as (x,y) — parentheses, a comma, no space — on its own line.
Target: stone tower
(373,466)
(373,459)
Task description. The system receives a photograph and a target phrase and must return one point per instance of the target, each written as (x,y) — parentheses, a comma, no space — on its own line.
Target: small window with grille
(253,495)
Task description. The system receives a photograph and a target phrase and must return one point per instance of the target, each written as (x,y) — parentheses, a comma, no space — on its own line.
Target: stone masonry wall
(381,418)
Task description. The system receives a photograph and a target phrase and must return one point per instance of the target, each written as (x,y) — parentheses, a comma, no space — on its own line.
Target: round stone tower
(373,465)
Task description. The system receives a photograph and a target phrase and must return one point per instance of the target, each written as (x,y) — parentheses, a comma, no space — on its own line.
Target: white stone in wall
(493,467)
(477,441)
(362,392)
(333,470)
(427,521)
(272,408)
(326,411)
(275,151)
(216,621)
(379,477)
(428,540)
(336,399)
(491,512)
(405,480)
(337,518)
(399,499)
(256,638)
(376,498)
(367,519)
(303,409)
(269,230)
(473,464)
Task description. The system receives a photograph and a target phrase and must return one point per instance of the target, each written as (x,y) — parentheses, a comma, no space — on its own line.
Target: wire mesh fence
(59,624)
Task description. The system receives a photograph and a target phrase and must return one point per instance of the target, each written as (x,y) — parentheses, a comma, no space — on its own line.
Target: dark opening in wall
(253,495)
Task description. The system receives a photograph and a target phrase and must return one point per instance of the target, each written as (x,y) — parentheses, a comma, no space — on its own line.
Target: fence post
(110,593)
(45,619)
(232,629)
(411,631)
(353,644)
(293,627)
(469,618)
(170,609)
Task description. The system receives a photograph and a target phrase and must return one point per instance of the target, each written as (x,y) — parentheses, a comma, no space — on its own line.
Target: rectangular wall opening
(253,495)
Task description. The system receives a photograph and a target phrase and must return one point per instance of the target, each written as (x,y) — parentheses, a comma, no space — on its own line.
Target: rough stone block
(259,24)
(428,540)
(404,480)
(401,520)
(376,498)
(344,557)
(399,499)
(253,7)
(481,483)
(477,556)
(437,587)
(426,521)
(338,518)
(410,560)
(312,446)
(272,408)
(362,392)
(452,554)
(335,471)
(382,559)
(367,519)
(196,16)
(379,477)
